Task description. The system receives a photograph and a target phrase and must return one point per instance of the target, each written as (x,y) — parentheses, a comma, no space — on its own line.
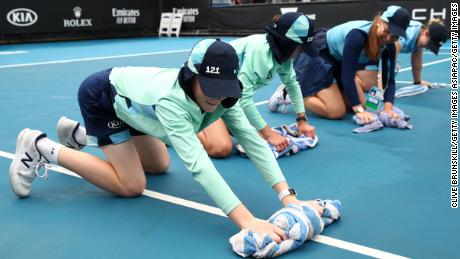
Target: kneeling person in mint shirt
(131,112)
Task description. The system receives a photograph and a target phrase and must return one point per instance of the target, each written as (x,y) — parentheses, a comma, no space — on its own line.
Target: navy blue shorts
(317,73)
(95,98)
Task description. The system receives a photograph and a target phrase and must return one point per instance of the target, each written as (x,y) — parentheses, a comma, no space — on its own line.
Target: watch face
(292,191)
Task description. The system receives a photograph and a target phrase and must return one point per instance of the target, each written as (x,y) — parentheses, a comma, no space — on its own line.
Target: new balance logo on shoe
(42,158)
(28,159)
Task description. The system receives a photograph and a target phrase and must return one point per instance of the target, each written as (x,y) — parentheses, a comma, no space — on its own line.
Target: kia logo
(22,17)
(115,124)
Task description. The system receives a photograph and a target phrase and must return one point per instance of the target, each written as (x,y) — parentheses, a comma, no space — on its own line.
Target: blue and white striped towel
(410,90)
(299,223)
(296,143)
(436,85)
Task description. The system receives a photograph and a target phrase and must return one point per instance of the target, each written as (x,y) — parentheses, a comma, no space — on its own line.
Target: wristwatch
(303,118)
(286,192)
(359,109)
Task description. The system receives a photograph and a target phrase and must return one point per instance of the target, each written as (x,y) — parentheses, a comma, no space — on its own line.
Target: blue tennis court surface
(394,184)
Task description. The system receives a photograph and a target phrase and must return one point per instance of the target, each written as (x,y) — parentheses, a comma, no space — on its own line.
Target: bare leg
(216,139)
(364,80)
(122,174)
(153,154)
(327,103)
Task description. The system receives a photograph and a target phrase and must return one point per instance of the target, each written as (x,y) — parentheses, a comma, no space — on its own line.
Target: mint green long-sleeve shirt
(258,66)
(159,107)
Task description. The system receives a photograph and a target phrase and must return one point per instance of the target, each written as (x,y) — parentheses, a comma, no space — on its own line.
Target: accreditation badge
(374,100)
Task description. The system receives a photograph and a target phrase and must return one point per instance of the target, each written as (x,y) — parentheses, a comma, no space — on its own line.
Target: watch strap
(286,192)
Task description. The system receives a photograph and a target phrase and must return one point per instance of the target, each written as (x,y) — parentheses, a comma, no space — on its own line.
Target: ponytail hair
(371,49)
(436,21)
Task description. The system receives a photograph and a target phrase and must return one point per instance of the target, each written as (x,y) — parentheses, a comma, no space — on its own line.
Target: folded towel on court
(383,120)
(300,140)
(299,223)
(296,143)
(401,123)
(410,90)
(376,124)
(373,126)
(438,85)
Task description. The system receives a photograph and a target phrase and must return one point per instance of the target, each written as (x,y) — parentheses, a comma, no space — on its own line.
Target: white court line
(93,58)
(6,155)
(216,211)
(439,53)
(261,102)
(13,52)
(426,64)
(401,70)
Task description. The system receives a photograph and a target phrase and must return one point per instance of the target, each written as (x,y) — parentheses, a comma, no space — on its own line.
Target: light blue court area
(394,185)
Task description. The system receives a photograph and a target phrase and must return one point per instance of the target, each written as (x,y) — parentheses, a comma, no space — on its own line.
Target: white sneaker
(279,100)
(27,162)
(66,133)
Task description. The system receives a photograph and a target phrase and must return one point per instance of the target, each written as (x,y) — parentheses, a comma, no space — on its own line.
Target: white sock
(49,149)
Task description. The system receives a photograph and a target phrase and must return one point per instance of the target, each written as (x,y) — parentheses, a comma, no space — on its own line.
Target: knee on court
(220,151)
(133,189)
(158,168)
(336,113)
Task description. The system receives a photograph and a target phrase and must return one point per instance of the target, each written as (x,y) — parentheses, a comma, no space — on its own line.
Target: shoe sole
(59,132)
(62,136)
(16,160)
(274,108)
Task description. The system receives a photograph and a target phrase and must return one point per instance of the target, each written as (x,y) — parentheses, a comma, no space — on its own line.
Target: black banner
(72,16)
(196,12)
(253,19)
(28,16)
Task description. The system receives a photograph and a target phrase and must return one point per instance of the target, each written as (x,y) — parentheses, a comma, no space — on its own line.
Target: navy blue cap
(216,65)
(438,36)
(296,27)
(398,19)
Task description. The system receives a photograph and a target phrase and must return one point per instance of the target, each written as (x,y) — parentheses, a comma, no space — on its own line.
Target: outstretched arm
(184,140)
(258,151)
(417,64)
(252,70)
(288,77)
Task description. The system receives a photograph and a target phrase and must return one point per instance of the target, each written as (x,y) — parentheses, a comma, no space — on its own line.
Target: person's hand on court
(392,114)
(365,117)
(306,129)
(315,206)
(312,203)
(425,83)
(264,227)
(278,141)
